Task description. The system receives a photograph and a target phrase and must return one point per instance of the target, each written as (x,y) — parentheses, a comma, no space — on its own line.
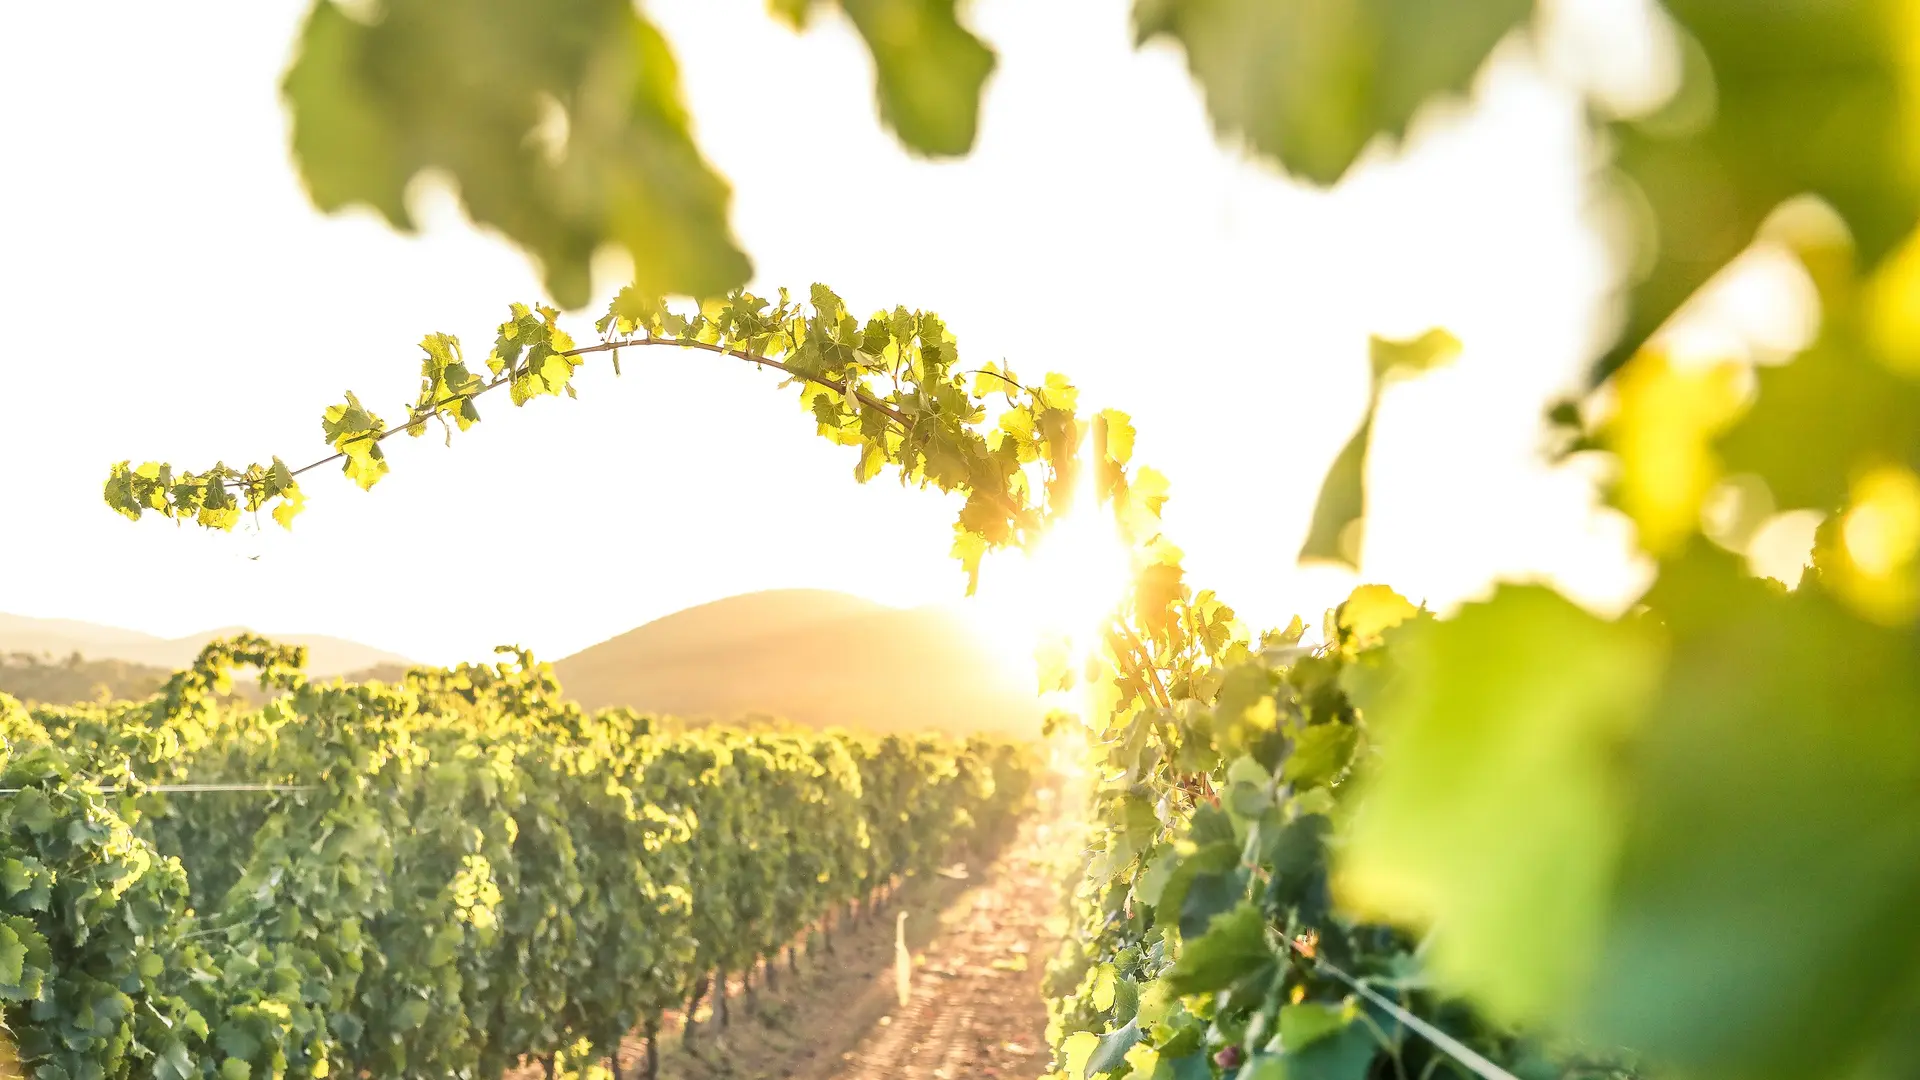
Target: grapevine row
(454,875)
(1202,921)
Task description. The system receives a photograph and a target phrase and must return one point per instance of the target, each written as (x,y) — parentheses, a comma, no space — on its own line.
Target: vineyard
(1541,830)
(441,878)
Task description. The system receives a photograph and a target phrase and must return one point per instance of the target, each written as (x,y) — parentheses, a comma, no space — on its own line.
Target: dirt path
(979,945)
(976,1008)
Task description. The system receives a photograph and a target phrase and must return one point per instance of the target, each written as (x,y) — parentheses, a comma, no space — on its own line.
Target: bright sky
(175,297)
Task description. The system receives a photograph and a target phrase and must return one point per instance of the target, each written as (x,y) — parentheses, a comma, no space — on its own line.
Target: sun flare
(1065,588)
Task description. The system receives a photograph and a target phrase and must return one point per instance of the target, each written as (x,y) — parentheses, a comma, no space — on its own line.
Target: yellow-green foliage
(447,874)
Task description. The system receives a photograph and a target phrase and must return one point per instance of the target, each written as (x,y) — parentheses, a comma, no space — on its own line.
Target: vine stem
(1146,660)
(415,417)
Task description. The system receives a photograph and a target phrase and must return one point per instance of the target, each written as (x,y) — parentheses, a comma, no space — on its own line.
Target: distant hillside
(815,657)
(59,638)
(73,679)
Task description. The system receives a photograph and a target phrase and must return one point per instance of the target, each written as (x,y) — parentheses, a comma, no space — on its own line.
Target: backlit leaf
(1493,811)
(561,123)
(1779,788)
(1779,99)
(1312,83)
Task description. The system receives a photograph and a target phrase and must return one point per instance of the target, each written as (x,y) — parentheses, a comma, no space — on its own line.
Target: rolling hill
(814,657)
(60,638)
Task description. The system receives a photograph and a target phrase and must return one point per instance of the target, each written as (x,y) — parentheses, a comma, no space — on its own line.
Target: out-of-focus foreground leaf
(1778,99)
(1493,813)
(1339,512)
(1667,416)
(1762,924)
(929,70)
(1310,83)
(1835,429)
(1825,417)
(561,122)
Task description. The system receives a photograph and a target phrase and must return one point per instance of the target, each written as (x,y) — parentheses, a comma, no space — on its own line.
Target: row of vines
(441,878)
(1204,923)
(1206,939)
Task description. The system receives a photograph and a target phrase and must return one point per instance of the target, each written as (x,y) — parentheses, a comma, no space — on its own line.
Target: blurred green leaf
(1304,1023)
(1319,753)
(1493,812)
(1763,921)
(1824,417)
(560,122)
(1339,511)
(1387,358)
(1779,99)
(929,70)
(1345,1054)
(1209,894)
(1665,420)
(1310,83)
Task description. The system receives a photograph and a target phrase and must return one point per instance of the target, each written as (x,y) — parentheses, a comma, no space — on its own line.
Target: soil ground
(979,944)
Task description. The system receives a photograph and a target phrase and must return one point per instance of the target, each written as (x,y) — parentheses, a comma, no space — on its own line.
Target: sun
(1066,587)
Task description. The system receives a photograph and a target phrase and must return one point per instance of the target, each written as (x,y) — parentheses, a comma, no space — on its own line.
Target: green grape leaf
(928,68)
(1346,1054)
(30,810)
(1190,1067)
(1492,813)
(13,960)
(236,1039)
(1209,826)
(355,432)
(1319,753)
(1296,855)
(174,1063)
(1339,511)
(1387,358)
(1112,1051)
(1311,83)
(1310,1021)
(1152,882)
(1233,947)
(15,877)
(293,501)
(1213,859)
(1207,894)
(560,121)
(1772,866)
(1777,100)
